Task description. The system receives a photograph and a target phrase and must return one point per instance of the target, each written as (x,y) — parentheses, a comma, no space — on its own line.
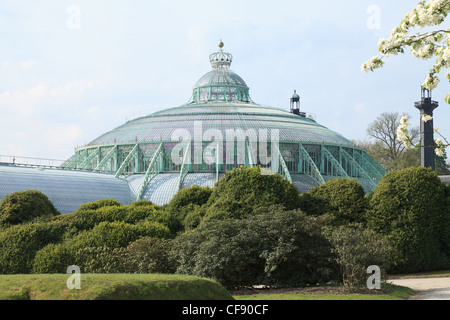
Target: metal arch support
(127,160)
(377,166)
(185,166)
(106,159)
(359,170)
(314,173)
(284,169)
(334,162)
(153,169)
(370,167)
(88,160)
(72,162)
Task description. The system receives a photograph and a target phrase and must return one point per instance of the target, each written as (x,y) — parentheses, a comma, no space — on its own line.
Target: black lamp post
(426,107)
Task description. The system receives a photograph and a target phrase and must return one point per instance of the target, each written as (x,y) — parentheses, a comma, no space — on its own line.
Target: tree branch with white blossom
(425,45)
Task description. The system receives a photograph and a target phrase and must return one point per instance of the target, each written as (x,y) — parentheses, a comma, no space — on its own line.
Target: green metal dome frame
(309,153)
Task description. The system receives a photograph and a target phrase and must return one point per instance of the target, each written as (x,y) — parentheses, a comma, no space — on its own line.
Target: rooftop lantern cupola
(221,84)
(295,105)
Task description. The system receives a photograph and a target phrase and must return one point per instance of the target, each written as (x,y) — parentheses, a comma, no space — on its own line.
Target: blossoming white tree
(424,45)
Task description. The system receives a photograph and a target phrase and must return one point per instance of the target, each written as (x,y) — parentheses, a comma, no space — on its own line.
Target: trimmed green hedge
(343,198)
(19,244)
(409,207)
(24,206)
(242,191)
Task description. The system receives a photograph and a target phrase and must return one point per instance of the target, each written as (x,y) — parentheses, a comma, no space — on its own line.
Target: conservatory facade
(142,150)
(219,129)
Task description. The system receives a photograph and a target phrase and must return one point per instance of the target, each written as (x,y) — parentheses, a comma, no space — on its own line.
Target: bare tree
(389,150)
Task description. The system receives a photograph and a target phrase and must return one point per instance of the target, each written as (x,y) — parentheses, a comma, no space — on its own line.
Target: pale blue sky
(61,86)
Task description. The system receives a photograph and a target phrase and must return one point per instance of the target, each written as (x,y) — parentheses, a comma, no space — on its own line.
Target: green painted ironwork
(369,167)
(72,162)
(284,169)
(314,172)
(111,154)
(359,170)
(132,155)
(335,163)
(89,159)
(249,148)
(185,166)
(153,169)
(378,166)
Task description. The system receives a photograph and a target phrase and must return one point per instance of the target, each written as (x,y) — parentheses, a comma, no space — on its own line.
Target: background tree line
(384,147)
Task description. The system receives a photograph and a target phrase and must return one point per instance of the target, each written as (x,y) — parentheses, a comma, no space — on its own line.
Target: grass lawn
(167,287)
(111,287)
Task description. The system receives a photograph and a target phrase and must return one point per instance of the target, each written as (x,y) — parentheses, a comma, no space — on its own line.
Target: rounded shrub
(184,200)
(194,216)
(136,214)
(119,234)
(99,204)
(408,206)
(343,198)
(53,258)
(356,248)
(20,243)
(241,191)
(23,206)
(149,255)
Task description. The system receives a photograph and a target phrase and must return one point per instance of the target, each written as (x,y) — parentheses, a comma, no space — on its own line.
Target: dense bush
(187,202)
(150,255)
(119,234)
(356,249)
(192,195)
(23,206)
(241,191)
(145,255)
(86,218)
(273,247)
(94,205)
(53,258)
(194,216)
(247,230)
(343,198)
(446,238)
(408,206)
(19,244)
(101,259)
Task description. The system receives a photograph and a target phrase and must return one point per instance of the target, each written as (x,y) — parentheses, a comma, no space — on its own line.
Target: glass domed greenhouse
(219,129)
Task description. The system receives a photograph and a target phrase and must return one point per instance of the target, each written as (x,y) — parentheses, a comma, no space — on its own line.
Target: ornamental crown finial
(221,60)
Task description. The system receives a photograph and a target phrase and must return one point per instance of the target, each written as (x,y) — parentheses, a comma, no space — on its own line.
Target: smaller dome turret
(221,84)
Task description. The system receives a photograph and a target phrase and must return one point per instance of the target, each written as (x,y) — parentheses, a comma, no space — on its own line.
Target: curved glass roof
(220,100)
(220,78)
(66,189)
(159,126)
